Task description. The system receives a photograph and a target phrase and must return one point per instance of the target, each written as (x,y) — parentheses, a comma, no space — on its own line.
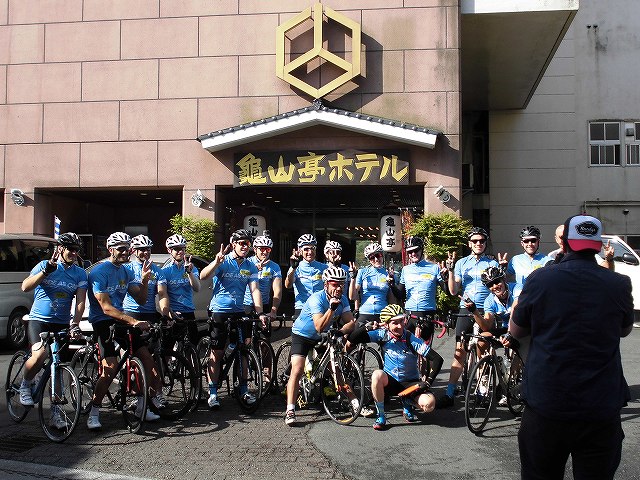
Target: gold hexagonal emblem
(317,13)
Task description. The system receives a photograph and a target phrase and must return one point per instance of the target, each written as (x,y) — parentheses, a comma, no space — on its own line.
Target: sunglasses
(264,249)
(308,249)
(529,240)
(177,249)
(333,283)
(73,249)
(479,240)
(121,249)
(244,243)
(494,283)
(144,249)
(375,255)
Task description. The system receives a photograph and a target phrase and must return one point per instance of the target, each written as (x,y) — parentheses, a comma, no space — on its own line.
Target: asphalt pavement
(228,444)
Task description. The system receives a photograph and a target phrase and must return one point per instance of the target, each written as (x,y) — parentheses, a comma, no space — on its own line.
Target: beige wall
(108,85)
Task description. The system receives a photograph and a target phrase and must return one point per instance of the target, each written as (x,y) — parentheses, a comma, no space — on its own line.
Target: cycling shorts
(219,330)
(35,328)
(301,345)
(465,324)
(150,317)
(394,387)
(102,332)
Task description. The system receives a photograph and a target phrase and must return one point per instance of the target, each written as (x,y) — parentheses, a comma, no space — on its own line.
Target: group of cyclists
(363,303)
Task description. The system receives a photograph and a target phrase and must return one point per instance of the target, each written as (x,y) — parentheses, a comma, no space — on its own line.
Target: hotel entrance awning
(506,46)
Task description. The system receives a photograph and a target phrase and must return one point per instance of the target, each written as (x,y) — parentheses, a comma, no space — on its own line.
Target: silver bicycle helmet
(118,238)
(176,241)
(371,249)
(332,245)
(141,241)
(262,241)
(307,239)
(334,274)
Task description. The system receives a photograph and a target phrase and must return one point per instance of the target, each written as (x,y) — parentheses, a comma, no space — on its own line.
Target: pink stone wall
(86,84)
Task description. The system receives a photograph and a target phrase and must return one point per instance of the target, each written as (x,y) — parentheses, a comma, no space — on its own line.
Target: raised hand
(353,269)
(295,258)
(52,264)
(188,265)
(609,251)
(502,259)
(450,261)
(145,273)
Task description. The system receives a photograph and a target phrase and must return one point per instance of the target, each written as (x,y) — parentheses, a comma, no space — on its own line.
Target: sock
(406,406)
(380,409)
(243,389)
(25,383)
(291,406)
(213,389)
(95,411)
(451,389)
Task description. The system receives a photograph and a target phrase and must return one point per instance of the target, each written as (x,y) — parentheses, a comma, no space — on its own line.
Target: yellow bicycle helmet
(391,312)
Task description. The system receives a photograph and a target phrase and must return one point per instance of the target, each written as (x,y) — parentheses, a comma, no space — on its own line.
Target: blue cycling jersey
(373,289)
(230,281)
(317,303)
(307,280)
(421,282)
(179,288)
(400,360)
(156,278)
(52,298)
(468,270)
(269,272)
(522,265)
(502,311)
(113,280)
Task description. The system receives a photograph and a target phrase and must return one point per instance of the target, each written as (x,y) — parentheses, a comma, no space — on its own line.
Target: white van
(18,255)
(627,262)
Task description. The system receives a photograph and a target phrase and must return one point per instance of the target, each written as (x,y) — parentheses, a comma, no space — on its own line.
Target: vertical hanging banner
(390,233)
(256,224)
(56,227)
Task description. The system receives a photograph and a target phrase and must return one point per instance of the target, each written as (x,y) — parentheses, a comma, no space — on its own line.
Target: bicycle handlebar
(422,321)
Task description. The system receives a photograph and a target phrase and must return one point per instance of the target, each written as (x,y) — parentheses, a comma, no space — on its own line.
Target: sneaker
(93,422)
(367,412)
(380,423)
(56,419)
(290,418)
(25,396)
(159,401)
(444,401)
(636,325)
(149,416)
(355,404)
(249,398)
(409,415)
(213,401)
(503,401)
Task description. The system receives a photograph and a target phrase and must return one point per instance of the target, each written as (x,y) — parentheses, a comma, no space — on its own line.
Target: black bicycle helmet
(530,231)
(413,243)
(477,231)
(69,239)
(491,274)
(241,234)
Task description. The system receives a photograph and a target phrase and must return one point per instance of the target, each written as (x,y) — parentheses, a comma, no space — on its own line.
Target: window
(614,143)
(604,143)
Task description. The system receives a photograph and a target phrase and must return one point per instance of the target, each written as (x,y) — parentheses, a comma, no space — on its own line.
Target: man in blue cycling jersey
(520,266)
(183,279)
(467,279)
(401,350)
(232,273)
(109,282)
(323,309)
(269,278)
(56,282)
(305,272)
(333,256)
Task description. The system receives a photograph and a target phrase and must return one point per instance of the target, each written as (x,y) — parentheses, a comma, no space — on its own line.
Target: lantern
(256,224)
(391,233)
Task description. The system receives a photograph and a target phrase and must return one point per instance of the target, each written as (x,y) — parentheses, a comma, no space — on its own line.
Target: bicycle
(189,351)
(424,365)
(261,344)
(179,380)
(57,391)
(241,359)
(482,389)
(334,378)
(368,359)
(128,389)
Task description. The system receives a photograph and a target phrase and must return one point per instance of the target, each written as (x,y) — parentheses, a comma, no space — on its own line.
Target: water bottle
(308,365)
(229,351)
(505,367)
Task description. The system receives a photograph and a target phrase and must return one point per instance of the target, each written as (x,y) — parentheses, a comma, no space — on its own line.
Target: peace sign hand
(450,261)
(353,269)
(188,265)
(502,259)
(220,255)
(52,264)
(145,273)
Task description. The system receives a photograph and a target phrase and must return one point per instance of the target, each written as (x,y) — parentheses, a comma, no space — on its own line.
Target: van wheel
(16,330)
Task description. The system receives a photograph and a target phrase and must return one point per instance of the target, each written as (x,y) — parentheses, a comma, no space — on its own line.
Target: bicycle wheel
(249,397)
(514,385)
(469,363)
(190,354)
(15,372)
(203,350)
(179,386)
(85,363)
(59,407)
(480,394)
(283,367)
(268,361)
(133,394)
(369,360)
(338,391)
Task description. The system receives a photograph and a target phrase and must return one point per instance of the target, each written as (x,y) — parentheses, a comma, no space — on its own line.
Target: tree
(199,232)
(442,233)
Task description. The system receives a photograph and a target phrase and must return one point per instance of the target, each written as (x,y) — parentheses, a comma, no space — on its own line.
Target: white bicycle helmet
(332,245)
(334,274)
(262,241)
(118,238)
(176,241)
(141,241)
(371,249)
(307,239)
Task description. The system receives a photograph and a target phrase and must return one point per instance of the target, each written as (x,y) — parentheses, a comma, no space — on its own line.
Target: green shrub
(199,232)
